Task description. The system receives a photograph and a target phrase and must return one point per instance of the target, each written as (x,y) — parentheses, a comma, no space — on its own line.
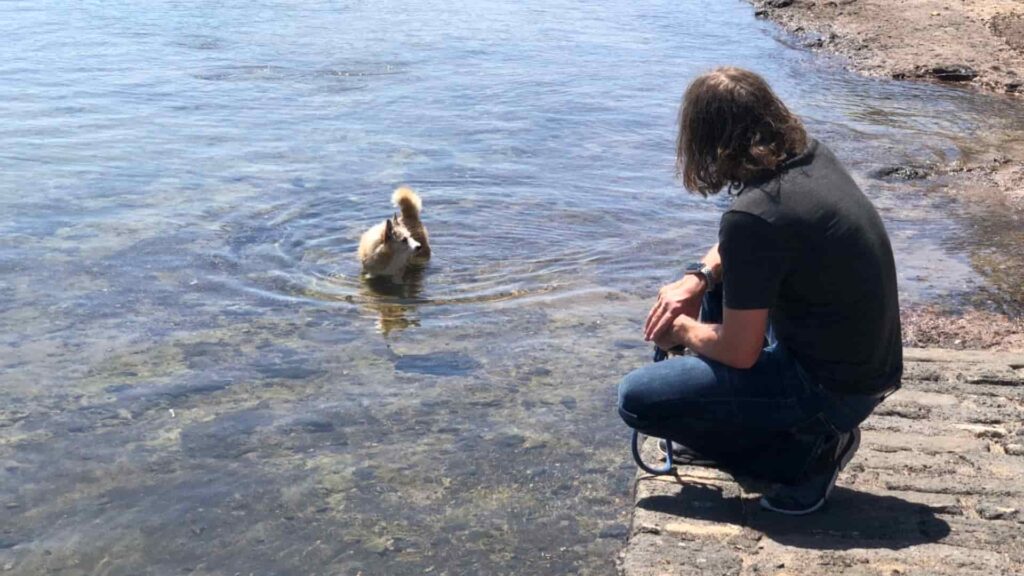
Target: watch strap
(702,270)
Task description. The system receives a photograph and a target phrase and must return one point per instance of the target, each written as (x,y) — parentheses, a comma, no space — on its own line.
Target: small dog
(389,247)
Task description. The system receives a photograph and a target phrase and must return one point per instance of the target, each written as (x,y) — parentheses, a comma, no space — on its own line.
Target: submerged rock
(615,531)
(227,436)
(437,364)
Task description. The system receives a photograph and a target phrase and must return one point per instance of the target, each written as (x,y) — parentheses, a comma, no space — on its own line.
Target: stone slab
(937,488)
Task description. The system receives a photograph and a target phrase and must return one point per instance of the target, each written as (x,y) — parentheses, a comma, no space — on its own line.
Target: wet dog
(389,247)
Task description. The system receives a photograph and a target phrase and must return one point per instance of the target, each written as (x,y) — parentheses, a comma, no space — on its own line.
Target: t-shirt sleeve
(755,259)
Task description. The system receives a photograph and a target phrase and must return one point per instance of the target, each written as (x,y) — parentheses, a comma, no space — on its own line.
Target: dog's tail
(408,202)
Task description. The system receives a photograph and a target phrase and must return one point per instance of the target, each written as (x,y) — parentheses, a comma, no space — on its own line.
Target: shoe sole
(843,461)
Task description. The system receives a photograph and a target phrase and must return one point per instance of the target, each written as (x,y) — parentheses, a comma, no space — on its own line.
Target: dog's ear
(389,231)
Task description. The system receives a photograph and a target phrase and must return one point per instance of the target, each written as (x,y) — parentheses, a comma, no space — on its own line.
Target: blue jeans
(768,422)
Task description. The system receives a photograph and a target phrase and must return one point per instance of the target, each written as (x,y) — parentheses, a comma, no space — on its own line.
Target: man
(799,332)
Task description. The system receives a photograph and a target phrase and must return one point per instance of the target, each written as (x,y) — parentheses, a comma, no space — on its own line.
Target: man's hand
(670,339)
(678,298)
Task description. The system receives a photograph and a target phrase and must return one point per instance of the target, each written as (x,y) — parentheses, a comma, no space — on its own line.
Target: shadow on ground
(851,519)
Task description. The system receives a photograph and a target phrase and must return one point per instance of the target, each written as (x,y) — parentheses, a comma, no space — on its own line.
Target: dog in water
(389,247)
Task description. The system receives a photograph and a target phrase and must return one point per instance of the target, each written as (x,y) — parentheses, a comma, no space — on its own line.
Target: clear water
(195,379)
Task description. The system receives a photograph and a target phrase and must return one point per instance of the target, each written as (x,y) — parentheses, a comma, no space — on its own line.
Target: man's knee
(633,398)
(669,390)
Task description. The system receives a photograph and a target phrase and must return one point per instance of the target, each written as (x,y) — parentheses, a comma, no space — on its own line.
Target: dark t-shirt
(810,246)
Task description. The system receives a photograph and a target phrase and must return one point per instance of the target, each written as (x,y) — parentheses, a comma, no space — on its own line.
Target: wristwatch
(702,270)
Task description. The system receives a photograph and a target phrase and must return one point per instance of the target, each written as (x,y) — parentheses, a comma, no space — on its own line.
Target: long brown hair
(733,130)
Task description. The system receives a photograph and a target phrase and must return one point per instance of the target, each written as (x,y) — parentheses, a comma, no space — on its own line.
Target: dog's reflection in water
(394,302)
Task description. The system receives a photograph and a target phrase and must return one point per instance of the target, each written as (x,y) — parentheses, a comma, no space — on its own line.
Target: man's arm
(681,298)
(736,342)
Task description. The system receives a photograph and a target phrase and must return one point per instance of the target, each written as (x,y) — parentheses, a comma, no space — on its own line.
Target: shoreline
(933,489)
(975,44)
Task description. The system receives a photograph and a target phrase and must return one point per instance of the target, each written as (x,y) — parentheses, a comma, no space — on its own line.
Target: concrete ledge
(937,488)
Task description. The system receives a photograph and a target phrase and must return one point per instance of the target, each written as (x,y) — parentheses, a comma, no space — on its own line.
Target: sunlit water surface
(196,379)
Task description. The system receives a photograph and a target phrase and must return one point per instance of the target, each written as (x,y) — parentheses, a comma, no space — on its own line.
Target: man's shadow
(850,519)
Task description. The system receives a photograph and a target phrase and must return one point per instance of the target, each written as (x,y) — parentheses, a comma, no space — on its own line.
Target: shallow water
(196,379)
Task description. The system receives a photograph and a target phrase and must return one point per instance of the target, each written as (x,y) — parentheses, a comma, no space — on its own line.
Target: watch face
(694,267)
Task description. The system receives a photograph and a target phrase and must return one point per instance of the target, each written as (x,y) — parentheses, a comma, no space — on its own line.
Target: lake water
(196,380)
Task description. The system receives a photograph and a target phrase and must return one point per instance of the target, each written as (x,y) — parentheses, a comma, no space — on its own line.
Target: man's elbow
(745,359)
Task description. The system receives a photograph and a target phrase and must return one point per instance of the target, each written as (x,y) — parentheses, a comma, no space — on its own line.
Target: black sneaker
(811,494)
(685,456)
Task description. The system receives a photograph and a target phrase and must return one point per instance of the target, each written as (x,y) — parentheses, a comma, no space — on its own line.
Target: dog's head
(396,238)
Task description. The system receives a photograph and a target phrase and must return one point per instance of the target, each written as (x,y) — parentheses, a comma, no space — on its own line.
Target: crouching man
(792,317)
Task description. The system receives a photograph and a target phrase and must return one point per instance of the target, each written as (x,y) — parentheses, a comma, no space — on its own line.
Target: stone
(993,512)
(1014,449)
(648,529)
(954,73)
(982,431)
(900,173)
(615,531)
(698,530)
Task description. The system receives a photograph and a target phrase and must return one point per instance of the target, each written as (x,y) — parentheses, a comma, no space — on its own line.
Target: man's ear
(389,231)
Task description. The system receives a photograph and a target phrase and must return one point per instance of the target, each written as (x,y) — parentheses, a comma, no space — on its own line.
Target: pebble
(982,431)
(1014,449)
(901,173)
(649,529)
(614,531)
(990,512)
